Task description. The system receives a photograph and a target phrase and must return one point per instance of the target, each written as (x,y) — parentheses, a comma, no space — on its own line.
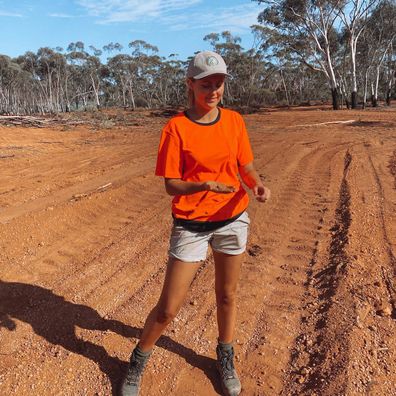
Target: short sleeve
(245,154)
(169,158)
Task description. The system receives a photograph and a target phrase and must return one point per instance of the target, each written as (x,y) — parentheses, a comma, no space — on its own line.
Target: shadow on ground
(54,318)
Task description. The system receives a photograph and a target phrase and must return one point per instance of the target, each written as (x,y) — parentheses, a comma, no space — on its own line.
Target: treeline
(303,51)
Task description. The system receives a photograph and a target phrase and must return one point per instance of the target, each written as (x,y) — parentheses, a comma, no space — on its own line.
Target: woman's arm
(251,178)
(181,187)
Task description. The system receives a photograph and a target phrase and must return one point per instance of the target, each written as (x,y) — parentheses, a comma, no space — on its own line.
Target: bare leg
(227,276)
(178,278)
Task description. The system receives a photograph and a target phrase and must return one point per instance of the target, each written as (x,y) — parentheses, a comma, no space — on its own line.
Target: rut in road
(342,331)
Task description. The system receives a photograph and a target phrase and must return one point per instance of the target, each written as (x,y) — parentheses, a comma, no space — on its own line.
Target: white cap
(205,64)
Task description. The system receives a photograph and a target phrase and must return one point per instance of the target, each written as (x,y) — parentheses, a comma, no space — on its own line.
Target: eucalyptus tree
(10,73)
(122,73)
(146,62)
(50,71)
(391,73)
(306,28)
(111,47)
(28,62)
(354,15)
(377,49)
(79,81)
(282,72)
(169,82)
(88,71)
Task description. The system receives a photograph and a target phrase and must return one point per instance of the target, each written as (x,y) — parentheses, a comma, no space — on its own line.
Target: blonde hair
(190,94)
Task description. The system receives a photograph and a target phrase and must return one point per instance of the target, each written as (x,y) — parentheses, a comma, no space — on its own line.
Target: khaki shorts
(192,246)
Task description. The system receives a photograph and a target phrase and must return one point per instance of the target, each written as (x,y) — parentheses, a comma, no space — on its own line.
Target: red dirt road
(82,261)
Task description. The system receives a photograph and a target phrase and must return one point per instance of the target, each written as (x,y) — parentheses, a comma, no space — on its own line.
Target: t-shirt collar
(217,119)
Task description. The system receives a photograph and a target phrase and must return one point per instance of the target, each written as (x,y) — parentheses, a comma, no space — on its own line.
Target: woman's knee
(165,316)
(226,299)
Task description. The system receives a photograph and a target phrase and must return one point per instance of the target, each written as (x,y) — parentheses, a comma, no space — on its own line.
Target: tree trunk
(354,99)
(354,78)
(365,89)
(335,98)
(284,86)
(375,90)
(389,89)
(374,101)
(132,96)
(344,93)
(96,92)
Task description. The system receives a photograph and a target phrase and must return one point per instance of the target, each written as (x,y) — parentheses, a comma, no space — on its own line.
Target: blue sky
(174,26)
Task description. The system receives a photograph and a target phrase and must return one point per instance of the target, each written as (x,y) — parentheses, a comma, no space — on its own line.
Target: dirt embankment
(84,230)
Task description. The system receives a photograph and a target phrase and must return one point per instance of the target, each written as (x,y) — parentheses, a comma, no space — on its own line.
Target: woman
(201,153)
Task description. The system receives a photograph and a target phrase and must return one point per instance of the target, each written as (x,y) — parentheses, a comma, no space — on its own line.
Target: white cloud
(238,19)
(112,11)
(60,15)
(10,14)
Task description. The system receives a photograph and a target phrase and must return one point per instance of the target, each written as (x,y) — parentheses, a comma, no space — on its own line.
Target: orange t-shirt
(201,152)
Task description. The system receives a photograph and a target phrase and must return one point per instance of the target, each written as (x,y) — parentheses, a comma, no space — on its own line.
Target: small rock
(300,379)
(304,371)
(255,250)
(194,302)
(385,311)
(372,328)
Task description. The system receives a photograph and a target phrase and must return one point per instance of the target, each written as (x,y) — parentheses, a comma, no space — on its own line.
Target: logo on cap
(211,61)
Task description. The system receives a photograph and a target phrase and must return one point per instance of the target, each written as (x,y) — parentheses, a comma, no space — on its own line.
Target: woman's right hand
(218,187)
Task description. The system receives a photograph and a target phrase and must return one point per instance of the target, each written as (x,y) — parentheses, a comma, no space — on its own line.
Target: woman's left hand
(261,193)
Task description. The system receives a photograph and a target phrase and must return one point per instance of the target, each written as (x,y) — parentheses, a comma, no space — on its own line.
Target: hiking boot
(225,365)
(131,384)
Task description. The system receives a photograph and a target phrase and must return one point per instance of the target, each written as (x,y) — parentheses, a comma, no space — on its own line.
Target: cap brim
(209,73)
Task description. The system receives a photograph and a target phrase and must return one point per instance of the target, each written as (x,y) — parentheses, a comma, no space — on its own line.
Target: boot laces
(227,364)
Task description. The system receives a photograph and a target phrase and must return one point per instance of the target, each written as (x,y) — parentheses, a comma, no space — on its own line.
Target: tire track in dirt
(373,359)
(388,277)
(341,302)
(301,239)
(124,248)
(309,365)
(81,162)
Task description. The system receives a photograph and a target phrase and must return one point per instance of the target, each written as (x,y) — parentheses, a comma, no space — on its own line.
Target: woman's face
(207,91)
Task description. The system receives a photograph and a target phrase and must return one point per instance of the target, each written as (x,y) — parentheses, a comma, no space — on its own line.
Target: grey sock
(140,354)
(224,346)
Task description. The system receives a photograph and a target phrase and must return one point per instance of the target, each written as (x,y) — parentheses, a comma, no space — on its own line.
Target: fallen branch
(77,197)
(327,123)
(38,122)
(104,187)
